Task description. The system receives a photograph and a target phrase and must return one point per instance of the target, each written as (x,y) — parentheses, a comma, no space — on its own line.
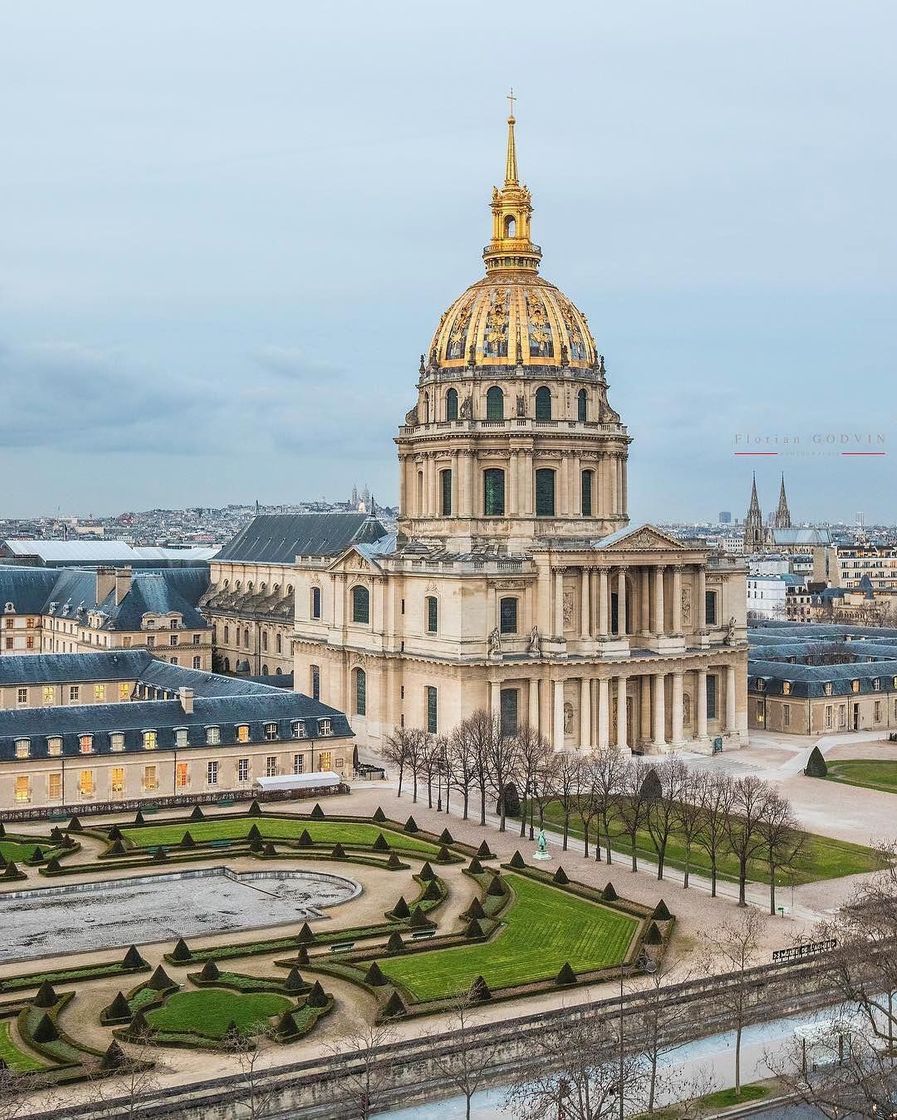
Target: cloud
(288,362)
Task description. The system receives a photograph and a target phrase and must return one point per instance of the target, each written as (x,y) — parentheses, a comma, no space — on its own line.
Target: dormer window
(854,686)
(242,733)
(828,688)
(117,741)
(213,735)
(299,731)
(325,727)
(23,748)
(181,738)
(760,684)
(9,608)
(54,746)
(876,684)
(85,744)
(271,732)
(150,740)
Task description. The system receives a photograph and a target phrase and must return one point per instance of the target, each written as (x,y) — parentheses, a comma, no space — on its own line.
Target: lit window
(299,729)
(117,741)
(86,783)
(855,686)
(54,746)
(182,775)
(150,740)
(23,788)
(325,760)
(23,748)
(85,744)
(124,691)
(271,766)
(49,694)
(54,786)
(99,692)
(150,778)
(298,763)
(213,735)
(786,688)
(242,769)
(325,727)
(271,731)
(117,780)
(212,773)
(243,733)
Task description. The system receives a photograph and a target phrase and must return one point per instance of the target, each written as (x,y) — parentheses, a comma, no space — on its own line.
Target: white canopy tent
(315,779)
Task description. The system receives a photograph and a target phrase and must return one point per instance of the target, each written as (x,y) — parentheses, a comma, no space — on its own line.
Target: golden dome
(512,316)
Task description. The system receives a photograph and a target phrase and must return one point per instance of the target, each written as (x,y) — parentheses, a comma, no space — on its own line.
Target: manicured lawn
(19,851)
(17,1060)
(348,833)
(725,1098)
(209,1012)
(821,857)
(544,928)
(872,773)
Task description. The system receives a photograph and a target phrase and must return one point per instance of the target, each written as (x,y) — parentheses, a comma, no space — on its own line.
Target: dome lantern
(512,208)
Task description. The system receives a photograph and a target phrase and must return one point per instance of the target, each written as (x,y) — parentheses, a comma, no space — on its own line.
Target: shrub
(160,855)
(286,1026)
(119,1011)
(445,837)
(139,1027)
(139,817)
(74,825)
(432,893)
(661,912)
(187,841)
(53,864)
(305,840)
(653,936)
(132,959)
(816,765)
(473,928)
(381,844)
(511,798)
(268,849)
(255,833)
(160,980)
(56,834)
(255,810)
(181,951)
(476,868)
(339,852)
(46,995)
(45,1031)
(651,789)
(256,846)
(114,833)
(609,894)
(294,981)
(394,1007)
(305,936)
(565,976)
(317,997)
(395,944)
(517,860)
(419,919)
(114,1058)
(443,855)
(379,816)
(317,814)
(374,975)
(401,909)
(197,814)
(426,873)
(68,841)
(210,971)
(37,855)
(475,909)
(479,991)
(560,877)
(11,872)
(496,887)
(483,851)
(117,848)
(394,863)
(411,825)
(302,956)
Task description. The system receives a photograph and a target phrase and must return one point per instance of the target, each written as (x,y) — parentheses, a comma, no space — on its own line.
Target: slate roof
(28,589)
(810,680)
(101,552)
(74,668)
(168,679)
(165,717)
(278,538)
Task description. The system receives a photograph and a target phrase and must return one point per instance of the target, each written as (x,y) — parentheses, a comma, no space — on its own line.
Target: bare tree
(479,731)
(395,750)
(429,758)
(750,804)
(533,750)
(589,801)
(663,808)
(365,1068)
(736,943)
(658,1013)
(717,796)
(502,768)
(258,1096)
(461,763)
(127,1074)
(467,1064)
(416,743)
(782,840)
(567,785)
(634,805)
(15,1090)
(609,778)
(689,817)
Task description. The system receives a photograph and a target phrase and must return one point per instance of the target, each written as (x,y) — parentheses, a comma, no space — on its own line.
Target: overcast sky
(228,230)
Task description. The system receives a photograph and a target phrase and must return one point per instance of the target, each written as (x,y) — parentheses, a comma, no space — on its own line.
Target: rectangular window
(710,608)
(242,769)
(509,701)
(494,493)
(29,642)
(271,732)
(173,640)
(49,694)
(711,696)
(54,746)
(508,616)
(86,783)
(432,614)
(150,641)
(877,713)
(315,676)
(786,715)
(828,715)
(325,760)
(271,766)
(54,786)
(99,693)
(23,788)
(445,483)
(197,662)
(545,493)
(182,775)
(432,710)
(124,691)
(243,733)
(587,493)
(299,729)
(117,781)
(298,763)
(150,778)
(150,740)
(23,748)
(325,727)
(181,737)
(196,639)
(212,773)
(213,735)
(117,741)
(85,744)
(21,695)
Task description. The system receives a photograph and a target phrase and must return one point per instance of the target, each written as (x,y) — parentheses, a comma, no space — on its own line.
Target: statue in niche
(411,419)
(568,718)
(565,356)
(466,409)
(730,631)
(494,642)
(686,710)
(569,605)
(521,404)
(535,642)
(686,606)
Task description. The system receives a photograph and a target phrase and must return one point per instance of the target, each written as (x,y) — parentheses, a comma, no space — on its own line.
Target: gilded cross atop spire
(510,247)
(511,158)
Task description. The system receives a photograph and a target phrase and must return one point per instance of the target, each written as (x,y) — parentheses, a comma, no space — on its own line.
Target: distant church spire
(754,533)
(783,515)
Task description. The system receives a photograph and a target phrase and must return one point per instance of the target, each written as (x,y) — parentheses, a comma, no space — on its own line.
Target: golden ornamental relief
(495,334)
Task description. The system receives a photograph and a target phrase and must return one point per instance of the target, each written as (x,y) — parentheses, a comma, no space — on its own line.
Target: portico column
(584,608)
(495,699)
(677,601)
(621,602)
(455,489)
(593,602)
(513,489)
(701,596)
(658,600)
(701,703)
(534,705)
(603,603)
(603,713)
(585,715)
(558,720)
(730,698)
(559,603)
(659,712)
(645,596)
(621,714)
(677,708)
(433,510)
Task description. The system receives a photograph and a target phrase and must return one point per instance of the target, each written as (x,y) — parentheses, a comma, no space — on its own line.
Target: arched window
(587,483)
(545,493)
(582,406)
(227,664)
(361,605)
(432,614)
(360,691)
(495,404)
(451,404)
(510,226)
(420,492)
(445,491)
(543,403)
(246,638)
(279,642)
(493,492)
(507,615)
(316,602)
(264,670)
(265,640)
(426,408)
(226,633)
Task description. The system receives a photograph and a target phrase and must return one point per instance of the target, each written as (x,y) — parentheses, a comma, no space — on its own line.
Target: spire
(783,514)
(754,534)
(511,157)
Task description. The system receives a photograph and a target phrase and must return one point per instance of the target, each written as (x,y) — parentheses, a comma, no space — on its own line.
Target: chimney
(106,580)
(185,695)
(122,583)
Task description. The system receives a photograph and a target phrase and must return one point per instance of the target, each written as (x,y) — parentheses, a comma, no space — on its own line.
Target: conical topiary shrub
(565,976)
(496,887)
(411,825)
(379,816)
(268,849)
(302,956)
(232,1034)
(56,834)
(432,893)
(484,852)
(479,991)
(257,847)
(394,1008)
(132,959)
(816,765)
(255,810)
(381,844)
(255,833)
(160,980)
(560,877)
(286,1026)
(46,995)
(475,909)
(210,971)
(74,825)
(401,910)
(294,981)
(114,1057)
(476,868)
(305,840)
(395,944)
(394,863)
(445,837)
(187,840)
(305,936)
(517,861)
(114,833)
(119,1011)
(2,829)
(197,814)
(339,852)
(53,864)
(69,841)
(426,873)
(160,855)
(473,928)
(374,975)
(653,936)
(651,787)
(661,912)
(11,872)
(37,854)
(181,951)
(117,848)
(139,817)
(45,1031)
(317,997)
(609,894)
(419,919)
(443,855)
(317,814)
(139,1027)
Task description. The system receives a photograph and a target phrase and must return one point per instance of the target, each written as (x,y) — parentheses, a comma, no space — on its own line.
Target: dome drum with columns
(512,436)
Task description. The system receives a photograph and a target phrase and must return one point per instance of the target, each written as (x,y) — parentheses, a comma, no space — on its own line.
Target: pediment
(641,538)
(353,560)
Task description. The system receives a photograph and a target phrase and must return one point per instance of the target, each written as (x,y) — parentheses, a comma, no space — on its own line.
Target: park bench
(342,946)
(422,934)
(219,843)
